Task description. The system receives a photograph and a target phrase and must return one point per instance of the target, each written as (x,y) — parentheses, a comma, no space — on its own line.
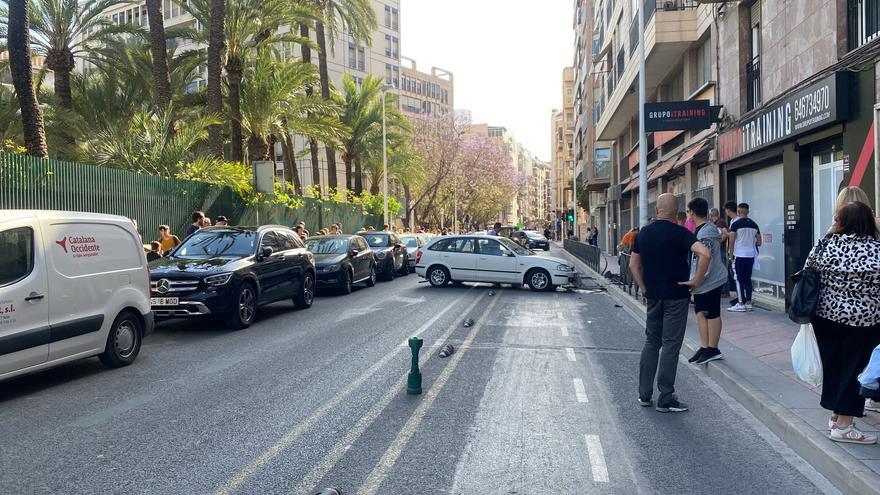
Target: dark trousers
(845,352)
(742,273)
(664,333)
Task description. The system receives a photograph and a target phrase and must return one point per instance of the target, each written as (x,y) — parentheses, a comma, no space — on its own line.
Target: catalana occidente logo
(82,246)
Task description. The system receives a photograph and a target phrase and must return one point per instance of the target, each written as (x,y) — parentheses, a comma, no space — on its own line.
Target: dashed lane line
(579,391)
(569,352)
(564,331)
(597,459)
(285,441)
(383,467)
(329,461)
(559,315)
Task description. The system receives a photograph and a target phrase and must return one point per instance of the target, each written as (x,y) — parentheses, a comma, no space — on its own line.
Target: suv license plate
(164,301)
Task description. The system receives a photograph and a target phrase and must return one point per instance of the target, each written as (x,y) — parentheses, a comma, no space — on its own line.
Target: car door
(24,297)
(398,251)
(495,263)
(298,259)
(362,260)
(272,270)
(458,255)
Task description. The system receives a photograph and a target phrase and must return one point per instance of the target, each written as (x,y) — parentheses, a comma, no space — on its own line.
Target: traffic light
(570,214)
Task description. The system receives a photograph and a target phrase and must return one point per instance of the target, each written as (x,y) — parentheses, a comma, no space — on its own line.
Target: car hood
(166,266)
(551,260)
(328,259)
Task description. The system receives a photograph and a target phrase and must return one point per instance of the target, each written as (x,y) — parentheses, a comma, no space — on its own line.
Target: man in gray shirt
(707,297)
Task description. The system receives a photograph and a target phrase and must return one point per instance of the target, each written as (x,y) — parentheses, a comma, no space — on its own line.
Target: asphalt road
(540,397)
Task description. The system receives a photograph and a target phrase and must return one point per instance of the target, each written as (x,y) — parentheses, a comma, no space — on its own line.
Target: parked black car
(342,261)
(390,253)
(531,240)
(227,272)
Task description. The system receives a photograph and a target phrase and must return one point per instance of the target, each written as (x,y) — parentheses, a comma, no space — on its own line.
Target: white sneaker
(738,308)
(851,435)
(872,405)
(832,424)
(748,306)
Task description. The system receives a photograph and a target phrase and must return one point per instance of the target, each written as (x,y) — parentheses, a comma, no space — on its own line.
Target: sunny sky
(507,57)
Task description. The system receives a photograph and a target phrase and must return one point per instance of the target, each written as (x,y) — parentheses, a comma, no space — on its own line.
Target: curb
(842,469)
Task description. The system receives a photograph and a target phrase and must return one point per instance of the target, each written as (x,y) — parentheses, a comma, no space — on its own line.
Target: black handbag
(807,286)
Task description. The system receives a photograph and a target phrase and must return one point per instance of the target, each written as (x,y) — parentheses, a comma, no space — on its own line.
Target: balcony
(671,28)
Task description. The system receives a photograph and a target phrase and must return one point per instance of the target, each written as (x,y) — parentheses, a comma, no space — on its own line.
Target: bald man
(659,265)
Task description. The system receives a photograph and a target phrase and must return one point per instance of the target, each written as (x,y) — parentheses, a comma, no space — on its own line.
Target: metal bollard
(414,380)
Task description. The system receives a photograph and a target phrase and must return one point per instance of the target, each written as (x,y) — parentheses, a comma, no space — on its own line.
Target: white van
(72,285)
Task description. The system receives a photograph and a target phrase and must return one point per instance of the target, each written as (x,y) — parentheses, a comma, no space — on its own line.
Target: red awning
(633,184)
(663,137)
(689,155)
(662,169)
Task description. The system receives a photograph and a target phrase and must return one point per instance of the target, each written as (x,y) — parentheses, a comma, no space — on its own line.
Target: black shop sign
(677,115)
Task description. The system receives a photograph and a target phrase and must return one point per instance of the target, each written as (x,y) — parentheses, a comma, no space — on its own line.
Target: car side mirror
(266,252)
(354,251)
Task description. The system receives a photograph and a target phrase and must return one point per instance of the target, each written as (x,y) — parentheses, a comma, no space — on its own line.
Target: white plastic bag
(805,358)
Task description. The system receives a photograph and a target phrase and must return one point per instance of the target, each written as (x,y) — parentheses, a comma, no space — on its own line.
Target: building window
(167,9)
(352,56)
(392,18)
(396,76)
(362,58)
(704,64)
(753,67)
(863,20)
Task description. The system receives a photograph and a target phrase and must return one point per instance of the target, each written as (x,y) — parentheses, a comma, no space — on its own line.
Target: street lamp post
(643,148)
(385,88)
(574,195)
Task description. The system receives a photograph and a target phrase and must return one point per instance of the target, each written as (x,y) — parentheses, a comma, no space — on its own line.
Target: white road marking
(564,331)
(559,315)
(383,467)
(298,429)
(329,461)
(570,353)
(597,458)
(579,390)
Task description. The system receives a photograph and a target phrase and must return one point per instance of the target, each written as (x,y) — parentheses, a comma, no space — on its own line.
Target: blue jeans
(742,273)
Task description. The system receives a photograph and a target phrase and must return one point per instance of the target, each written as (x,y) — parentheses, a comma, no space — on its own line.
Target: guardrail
(592,256)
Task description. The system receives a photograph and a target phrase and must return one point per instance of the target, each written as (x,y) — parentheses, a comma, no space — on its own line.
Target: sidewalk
(757,372)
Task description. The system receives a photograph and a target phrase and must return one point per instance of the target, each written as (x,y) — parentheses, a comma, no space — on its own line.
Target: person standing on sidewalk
(707,297)
(847,317)
(730,216)
(198,221)
(659,265)
(743,242)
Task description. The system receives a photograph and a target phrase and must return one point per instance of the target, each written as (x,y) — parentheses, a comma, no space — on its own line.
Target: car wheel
(546,248)
(245,307)
(438,276)
(404,268)
(389,275)
(123,342)
(371,282)
(539,280)
(306,295)
(346,282)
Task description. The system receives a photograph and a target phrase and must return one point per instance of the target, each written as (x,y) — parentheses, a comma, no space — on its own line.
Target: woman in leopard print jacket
(847,318)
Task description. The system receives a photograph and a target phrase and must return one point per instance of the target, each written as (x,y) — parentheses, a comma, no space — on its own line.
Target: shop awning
(689,155)
(662,169)
(633,184)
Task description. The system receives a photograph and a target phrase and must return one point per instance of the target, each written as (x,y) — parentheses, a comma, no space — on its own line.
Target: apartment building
(591,172)
(426,93)
(797,86)
(382,58)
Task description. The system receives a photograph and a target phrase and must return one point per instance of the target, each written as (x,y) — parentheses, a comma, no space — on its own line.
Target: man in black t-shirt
(659,265)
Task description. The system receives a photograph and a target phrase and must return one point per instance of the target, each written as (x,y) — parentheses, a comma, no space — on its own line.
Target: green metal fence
(32,183)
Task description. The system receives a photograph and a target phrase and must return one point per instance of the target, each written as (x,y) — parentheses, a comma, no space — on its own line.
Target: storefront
(789,160)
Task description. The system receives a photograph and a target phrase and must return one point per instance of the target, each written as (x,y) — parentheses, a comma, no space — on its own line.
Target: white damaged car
(480,258)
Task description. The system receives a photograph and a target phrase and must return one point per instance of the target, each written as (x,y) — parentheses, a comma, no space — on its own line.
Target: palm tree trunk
(313,145)
(19,46)
(290,168)
(358,176)
(161,77)
(407,196)
(216,45)
(233,74)
(325,93)
(61,63)
(258,148)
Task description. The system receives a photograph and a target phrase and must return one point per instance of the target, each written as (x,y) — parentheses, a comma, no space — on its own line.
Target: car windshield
(534,235)
(377,240)
(318,245)
(516,248)
(218,244)
(410,242)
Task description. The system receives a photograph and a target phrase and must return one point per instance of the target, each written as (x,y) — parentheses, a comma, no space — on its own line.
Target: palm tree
(19,46)
(360,20)
(248,25)
(161,77)
(216,45)
(313,144)
(274,102)
(63,30)
(362,113)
